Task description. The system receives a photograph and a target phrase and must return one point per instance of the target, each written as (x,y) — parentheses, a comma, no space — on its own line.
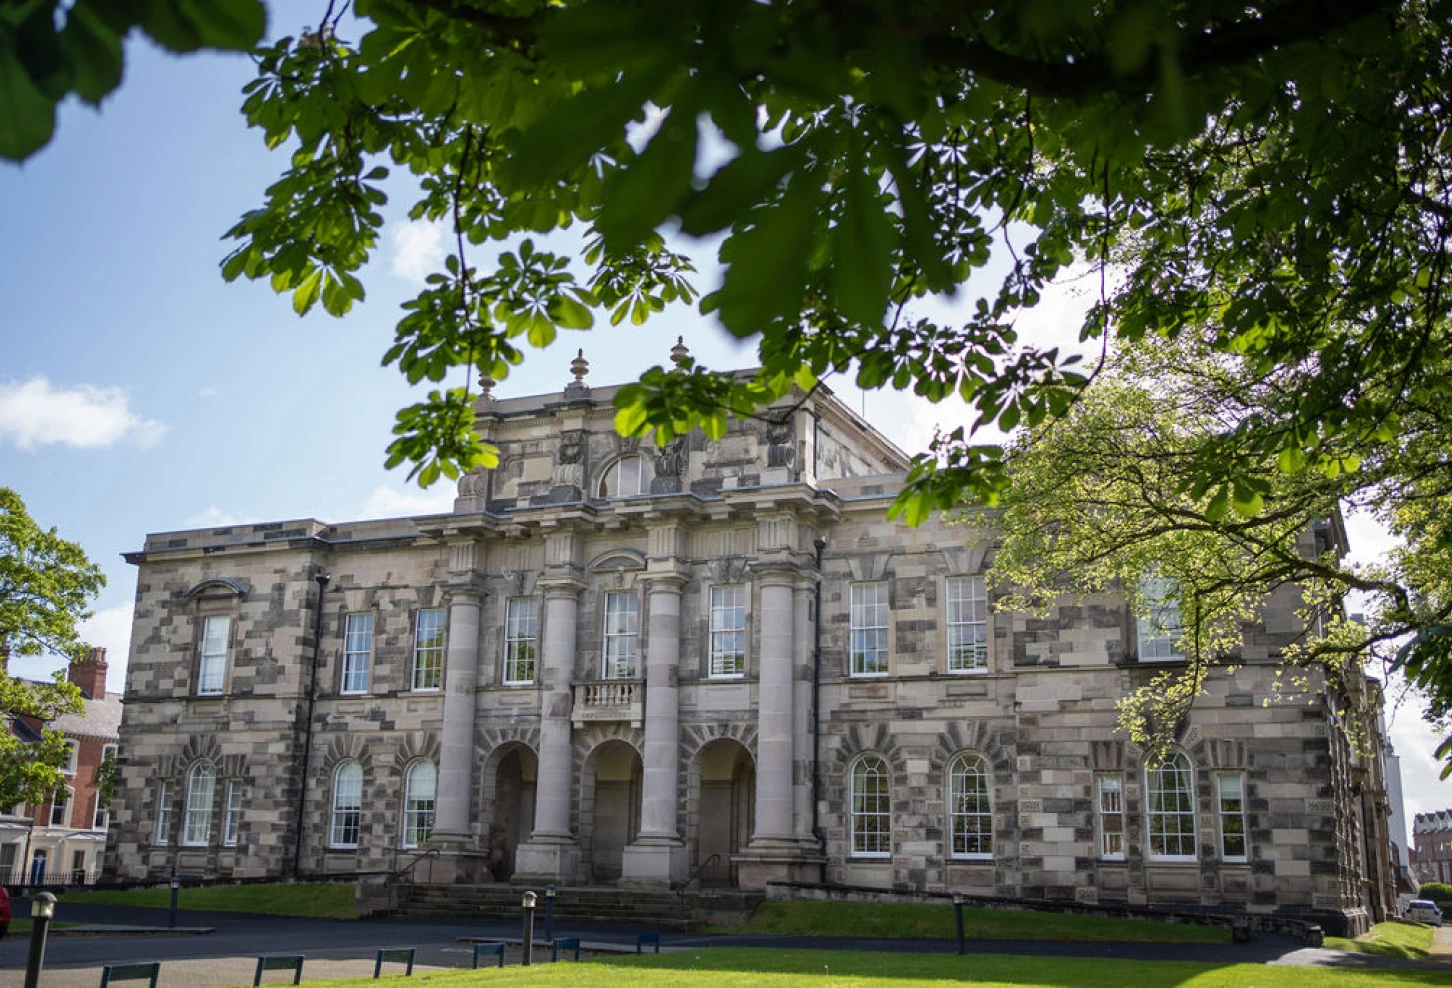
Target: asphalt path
(241,934)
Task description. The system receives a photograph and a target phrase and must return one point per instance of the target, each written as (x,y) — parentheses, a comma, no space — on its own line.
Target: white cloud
(418,249)
(213,517)
(33,413)
(209,393)
(387,502)
(111,629)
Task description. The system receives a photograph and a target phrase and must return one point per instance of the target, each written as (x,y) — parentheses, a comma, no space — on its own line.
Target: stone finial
(679,354)
(578,367)
(486,387)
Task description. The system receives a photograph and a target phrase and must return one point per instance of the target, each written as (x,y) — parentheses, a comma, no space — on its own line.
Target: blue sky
(140,393)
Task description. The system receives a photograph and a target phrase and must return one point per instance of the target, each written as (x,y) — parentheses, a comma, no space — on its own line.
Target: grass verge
(935,922)
(1393,939)
(715,966)
(317,900)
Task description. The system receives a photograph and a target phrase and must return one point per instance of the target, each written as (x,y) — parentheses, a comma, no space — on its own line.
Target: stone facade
(716,662)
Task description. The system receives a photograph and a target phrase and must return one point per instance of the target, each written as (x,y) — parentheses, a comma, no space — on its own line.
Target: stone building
(612,663)
(63,840)
(1432,843)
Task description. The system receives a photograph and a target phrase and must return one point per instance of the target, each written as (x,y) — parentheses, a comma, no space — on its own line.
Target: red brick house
(62,840)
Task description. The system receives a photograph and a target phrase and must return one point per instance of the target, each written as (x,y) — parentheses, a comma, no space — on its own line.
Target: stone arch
(594,835)
(505,813)
(857,740)
(219,586)
(415,745)
(726,825)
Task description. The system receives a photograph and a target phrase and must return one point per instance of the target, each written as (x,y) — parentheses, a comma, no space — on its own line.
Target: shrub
(1438,892)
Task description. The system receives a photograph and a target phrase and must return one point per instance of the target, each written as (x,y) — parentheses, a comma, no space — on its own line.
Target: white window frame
(869,620)
(1230,809)
(212,655)
(345,819)
(970,808)
(419,807)
(61,803)
(1160,630)
(521,641)
(728,631)
(73,755)
(100,815)
(197,818)
(232,814)
(967,624)
(1109,808)
(620,646)
(428,650)
(870,807)
(163,815)
(1170,809)
(357,652)
(613,479)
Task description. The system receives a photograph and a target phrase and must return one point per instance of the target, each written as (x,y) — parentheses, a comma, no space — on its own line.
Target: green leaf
(862,249)
(768,269)
(307,293)
(640,196)
(630,420)
(27,117)
(232,25)
(569,314)
(736,187)
(94,49)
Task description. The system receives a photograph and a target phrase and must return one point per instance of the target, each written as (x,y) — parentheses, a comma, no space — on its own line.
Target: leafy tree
(45,585)
(1135,504)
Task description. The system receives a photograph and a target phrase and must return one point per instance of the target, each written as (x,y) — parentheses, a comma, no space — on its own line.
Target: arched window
(970,807)
(419,786)
(871,808)
(623,478)
(1170,791)
(347,805)
(201,783)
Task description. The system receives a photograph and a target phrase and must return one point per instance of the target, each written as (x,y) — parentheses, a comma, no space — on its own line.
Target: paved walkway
(1441,944)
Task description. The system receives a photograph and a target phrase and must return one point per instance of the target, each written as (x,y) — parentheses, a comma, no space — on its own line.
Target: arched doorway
(513,812)
(612,774)
(726,809)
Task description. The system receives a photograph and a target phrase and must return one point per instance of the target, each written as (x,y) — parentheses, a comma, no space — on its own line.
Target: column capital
(560,586)
(775,570)
(665,581)
(465,591)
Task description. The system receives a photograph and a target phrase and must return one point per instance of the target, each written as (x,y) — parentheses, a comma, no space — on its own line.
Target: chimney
(90,673)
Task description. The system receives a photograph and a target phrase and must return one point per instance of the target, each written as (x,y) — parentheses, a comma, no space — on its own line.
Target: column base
(778,860)
(653,862)
(546,859)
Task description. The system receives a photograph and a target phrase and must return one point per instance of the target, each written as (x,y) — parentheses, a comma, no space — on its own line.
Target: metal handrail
(432,852)
(695,874)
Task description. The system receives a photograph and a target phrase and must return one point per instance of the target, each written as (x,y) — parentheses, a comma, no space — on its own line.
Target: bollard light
(42,908)
(550,912)
(958,918)
(528,944)
(175,888)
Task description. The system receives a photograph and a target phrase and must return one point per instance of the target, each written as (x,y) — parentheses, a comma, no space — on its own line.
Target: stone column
(456,738)
(551,851)
(774,709)
(804,591)
(778,851)
(658,856)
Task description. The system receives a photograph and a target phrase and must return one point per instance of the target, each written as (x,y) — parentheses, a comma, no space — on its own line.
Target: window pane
(1111,816)
(871,809)
(869,629)
(347,805)
(1161,629)
(521,640)
(970,808)
(1171,808)
(728,631)
(197,827)
(621,624)
(428,649)
(418,806)
(1231,788)
(231,823)
(967,624)
(212,664)
(357,649)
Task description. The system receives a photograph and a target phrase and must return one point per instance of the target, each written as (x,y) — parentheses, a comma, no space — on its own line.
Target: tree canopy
(46,584)
(1260,184)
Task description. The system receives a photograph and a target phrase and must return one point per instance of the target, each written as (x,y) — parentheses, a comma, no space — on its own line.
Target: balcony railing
(610,700)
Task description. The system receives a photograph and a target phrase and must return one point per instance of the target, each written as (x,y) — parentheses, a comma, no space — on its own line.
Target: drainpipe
(819,544)
(302,782)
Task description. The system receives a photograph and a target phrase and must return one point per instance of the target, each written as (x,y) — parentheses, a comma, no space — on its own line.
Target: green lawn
(1394,939)
(321,900)
(715,966)
(914,920)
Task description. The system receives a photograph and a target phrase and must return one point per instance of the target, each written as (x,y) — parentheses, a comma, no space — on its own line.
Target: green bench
(280,962)
(481,949)
(112,973)
(394,955)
